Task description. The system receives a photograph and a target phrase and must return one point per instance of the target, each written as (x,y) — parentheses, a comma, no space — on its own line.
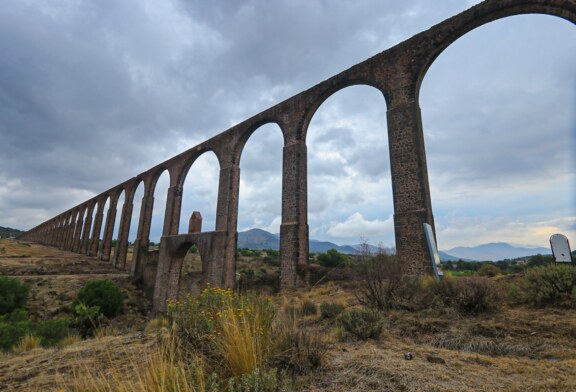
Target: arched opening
(134,221)
(349,183)
(159,210)
(103,225)
(200,192)
(188,267)
(260,209)
(80,230)
(117,219)
(88,231)
(498,118)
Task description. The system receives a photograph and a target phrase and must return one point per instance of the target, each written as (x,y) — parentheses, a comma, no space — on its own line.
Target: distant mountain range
(9,232)
(494,251)
(261,239)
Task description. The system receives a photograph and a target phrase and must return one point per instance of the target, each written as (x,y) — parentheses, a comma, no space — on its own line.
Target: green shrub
(551,285)
(488,269)
(13,327)
(515,294)
(333,258)
(248,252)
(13,294)
(51,332)
(330,310)
(102,293)
(87,320)
(272,257)
(363,324)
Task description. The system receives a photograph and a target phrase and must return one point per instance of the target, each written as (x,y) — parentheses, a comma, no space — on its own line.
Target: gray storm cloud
(94,92)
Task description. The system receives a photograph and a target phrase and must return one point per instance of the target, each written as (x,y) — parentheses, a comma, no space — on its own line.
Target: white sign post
(433,251)
(560,248)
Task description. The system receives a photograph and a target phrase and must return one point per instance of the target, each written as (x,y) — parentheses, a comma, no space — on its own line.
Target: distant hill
(494,251)
(323,246)
(261,239)
(7,232)
(448,257)
(258,239)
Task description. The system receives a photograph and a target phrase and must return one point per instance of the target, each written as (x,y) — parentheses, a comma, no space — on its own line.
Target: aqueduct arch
(397,72)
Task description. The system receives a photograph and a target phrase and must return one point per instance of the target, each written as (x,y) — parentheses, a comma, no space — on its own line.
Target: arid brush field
(357,327)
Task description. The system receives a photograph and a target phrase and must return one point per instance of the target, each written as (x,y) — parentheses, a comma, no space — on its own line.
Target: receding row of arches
(397,74)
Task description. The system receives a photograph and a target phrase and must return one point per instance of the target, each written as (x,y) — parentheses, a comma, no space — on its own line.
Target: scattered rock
(408,356)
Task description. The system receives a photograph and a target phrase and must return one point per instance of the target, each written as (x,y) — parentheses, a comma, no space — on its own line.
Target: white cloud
(357,226)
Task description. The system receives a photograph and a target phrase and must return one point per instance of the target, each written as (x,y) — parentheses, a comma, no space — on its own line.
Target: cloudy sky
(95,92)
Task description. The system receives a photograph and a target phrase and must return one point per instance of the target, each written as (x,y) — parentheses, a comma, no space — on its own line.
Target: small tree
(488,269)
(333,258)
(13,294)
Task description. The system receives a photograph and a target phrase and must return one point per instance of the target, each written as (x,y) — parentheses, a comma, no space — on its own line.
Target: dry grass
(27,343)
(511,349)
(243,338)
(161,369)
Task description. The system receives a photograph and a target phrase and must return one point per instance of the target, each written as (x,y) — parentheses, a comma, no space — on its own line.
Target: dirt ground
(513,349)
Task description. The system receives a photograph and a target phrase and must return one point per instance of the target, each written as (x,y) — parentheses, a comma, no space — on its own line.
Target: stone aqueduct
(397,72)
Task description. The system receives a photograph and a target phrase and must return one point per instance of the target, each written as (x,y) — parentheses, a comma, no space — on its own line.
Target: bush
(272,257)
(381,279)
(51,332)
(333,258)
(551,285)
(102,293)
(488,269)
(363,324)
(299,349)
(13,327)
(13,294)
(476,295)
(17,331)
(87,320)
(330,310)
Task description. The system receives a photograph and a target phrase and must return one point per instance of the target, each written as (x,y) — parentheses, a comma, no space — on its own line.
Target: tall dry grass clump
(27,343)
(243,335)
(214,342)
(160,369)
(225,328)
(233,335)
